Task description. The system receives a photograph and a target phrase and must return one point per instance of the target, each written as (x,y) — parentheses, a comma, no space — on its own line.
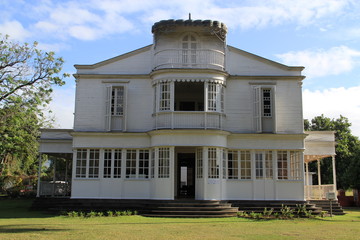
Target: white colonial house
(187,116)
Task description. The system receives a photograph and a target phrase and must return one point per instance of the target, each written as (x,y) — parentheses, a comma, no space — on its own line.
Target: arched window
(189,46)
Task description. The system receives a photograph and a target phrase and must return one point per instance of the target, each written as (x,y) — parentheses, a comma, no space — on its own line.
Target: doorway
(186,175)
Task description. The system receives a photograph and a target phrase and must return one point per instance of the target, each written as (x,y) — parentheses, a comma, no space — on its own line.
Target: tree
(27,77)
(347,149)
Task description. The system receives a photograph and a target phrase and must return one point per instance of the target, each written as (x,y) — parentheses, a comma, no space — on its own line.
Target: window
(130,163)
(165,97)
(215,97)
(295,165)
(245,165)
(107,163)
(213,164)
(212,96)
(94,163)
(263,99)
(117,101)
(117,163)
(266,93)
(282,165)
(152,169)
(199,163)
(268,165)
(189,46)
(259,166)
(115,108)
(224,159)
(81,156)
(222,98)
(143,163)
(87,163)
(233,167)
(164,163)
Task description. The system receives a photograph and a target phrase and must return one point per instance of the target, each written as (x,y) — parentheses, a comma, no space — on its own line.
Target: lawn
(16,222)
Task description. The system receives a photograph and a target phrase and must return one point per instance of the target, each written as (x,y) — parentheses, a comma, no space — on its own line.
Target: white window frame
(282,159)
(165,98)
(81,163)
(108,163)
(164,162)
(213,164)
(214,97)
(131,167)
(94,163)
(199,163)
(117,163)
(264,165)
(111,104)
(233,164)
(260,106)
(144,163)
(189,49)
(245,165)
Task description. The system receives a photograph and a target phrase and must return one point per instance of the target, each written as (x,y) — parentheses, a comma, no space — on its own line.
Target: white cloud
(81,20)
(322,62)
(15,30)
(332,103)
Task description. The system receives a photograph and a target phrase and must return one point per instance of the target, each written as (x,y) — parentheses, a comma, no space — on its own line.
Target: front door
(186,175)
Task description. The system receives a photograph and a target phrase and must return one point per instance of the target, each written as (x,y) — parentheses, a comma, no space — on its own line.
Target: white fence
(313,192)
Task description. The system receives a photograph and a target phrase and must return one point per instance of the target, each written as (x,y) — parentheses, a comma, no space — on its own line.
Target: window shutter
(108,109)
(257,109)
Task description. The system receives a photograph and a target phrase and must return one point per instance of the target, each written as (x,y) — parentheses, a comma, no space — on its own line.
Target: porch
(55,163)
(319,146)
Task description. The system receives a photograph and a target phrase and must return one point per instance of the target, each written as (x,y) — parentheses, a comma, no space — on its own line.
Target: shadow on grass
(20,208)
(27,229)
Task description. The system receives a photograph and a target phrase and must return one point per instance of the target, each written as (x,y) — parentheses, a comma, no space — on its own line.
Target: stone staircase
(192,209)
(178,208)
(325,206)
(151,208)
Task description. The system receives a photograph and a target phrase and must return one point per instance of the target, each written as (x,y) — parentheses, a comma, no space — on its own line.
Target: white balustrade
(313,192)
(185,119)
(179,58)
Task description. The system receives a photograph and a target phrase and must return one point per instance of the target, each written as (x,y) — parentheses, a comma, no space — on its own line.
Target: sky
(321,35)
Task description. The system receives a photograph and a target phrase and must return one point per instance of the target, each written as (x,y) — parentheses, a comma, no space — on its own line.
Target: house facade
(188,116)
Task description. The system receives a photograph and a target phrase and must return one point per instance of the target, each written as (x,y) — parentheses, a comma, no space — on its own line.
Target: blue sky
(321,35)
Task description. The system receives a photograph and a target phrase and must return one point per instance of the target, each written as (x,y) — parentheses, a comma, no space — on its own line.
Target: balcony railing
(183,58)
(185,119)
(313,192)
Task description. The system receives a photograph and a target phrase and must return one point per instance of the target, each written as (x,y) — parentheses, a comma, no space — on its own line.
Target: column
(334,173)
(320,193)
(307,181)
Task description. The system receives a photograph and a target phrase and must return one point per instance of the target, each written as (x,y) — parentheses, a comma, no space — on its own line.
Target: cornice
(265,77)
(112,76)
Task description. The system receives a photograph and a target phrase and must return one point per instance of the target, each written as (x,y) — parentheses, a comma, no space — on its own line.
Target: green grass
(16,222)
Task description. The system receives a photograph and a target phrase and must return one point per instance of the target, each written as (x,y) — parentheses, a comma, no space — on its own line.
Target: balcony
(180,58)
(188,120)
